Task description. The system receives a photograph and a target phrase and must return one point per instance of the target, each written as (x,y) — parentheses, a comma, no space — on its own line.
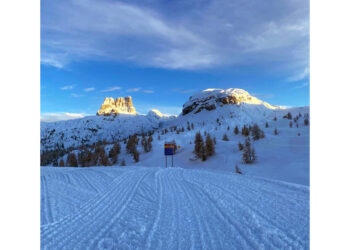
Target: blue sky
(161,52)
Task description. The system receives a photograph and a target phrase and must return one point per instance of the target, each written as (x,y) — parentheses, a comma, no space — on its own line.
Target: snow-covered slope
(158,208)
(90,129)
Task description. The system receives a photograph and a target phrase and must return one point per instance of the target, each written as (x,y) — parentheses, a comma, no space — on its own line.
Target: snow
(195,205)
(174,208)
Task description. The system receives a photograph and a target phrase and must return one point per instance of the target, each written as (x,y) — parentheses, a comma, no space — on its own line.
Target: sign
(169,149)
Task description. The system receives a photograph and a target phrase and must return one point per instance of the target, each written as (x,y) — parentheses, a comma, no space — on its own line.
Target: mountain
(210,99)
(121,105)
(117,119)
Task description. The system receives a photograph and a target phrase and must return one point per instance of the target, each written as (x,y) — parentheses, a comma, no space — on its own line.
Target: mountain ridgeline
(117,119)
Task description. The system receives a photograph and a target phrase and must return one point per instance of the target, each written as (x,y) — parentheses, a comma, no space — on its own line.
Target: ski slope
(174,208)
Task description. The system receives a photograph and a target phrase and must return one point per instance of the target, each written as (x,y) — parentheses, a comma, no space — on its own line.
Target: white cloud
(60,116)
(146,34)
(111,89)
(148,91)
(67,87)
(299,76)
(304,84)
(76,95)
(89,89)
(133,90)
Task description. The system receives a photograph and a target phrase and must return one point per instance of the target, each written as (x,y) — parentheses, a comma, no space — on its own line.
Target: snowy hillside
(234,106)
(158,208)
(90,129)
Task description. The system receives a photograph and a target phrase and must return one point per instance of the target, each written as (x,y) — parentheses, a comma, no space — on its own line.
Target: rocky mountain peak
(121,105)
(210,99)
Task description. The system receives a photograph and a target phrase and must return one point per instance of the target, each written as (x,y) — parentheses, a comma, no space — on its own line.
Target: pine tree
(103,159)
(275,119)
(198,144)
(249,155)
(236,130)
(72,160)
(306,122)
(114,152)
(225,137)
(275,131)
(240,146)
(123,163)
(192,125)
(266,125)
(228,127)
(290,124)
(210,148)
(136,155)
(257,133)
(61,163)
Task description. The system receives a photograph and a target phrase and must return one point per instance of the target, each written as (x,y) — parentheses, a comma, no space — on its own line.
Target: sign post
(169,149)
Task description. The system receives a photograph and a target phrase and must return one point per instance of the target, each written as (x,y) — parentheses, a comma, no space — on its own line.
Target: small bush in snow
(225,137)
(240,146)
(290,124)
(266,125)
(288,116)
(238,171)
(306,122)
(275,131)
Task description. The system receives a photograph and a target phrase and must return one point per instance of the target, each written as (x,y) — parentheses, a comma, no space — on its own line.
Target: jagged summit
(210,99)
(122,105)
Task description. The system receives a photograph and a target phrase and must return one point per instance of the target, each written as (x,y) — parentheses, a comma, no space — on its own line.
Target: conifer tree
(192,125)
(275,131)
(210,148)
(198,144)
(236,130)
(306,122)
(240,146)
(225,137)
(123,163)
(266,125)
(249,155)
(72,160)
(290,124)
(61,163)
(114,152)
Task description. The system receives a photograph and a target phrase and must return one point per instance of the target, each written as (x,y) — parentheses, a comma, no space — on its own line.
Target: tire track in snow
(246,207)
(63,231)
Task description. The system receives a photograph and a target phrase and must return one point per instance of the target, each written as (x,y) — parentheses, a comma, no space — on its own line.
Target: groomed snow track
(174,208)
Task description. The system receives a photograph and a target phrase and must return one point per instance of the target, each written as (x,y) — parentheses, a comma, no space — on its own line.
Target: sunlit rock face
(122,105)
(210,99)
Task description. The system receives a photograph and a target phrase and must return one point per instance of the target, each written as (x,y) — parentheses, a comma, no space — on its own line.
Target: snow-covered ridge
(90,129)
(210,99)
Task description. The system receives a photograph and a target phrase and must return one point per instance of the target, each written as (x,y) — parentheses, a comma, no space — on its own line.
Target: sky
(162,52)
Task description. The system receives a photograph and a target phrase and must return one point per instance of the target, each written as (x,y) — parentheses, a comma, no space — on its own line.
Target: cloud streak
(68,87)
(172,35)
(111,89)
(60,116)
(89,89)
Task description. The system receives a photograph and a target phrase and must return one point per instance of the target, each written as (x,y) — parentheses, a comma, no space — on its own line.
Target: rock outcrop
(122,105)
(210,99)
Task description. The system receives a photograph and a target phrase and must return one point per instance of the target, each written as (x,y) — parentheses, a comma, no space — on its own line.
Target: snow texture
(169,208)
